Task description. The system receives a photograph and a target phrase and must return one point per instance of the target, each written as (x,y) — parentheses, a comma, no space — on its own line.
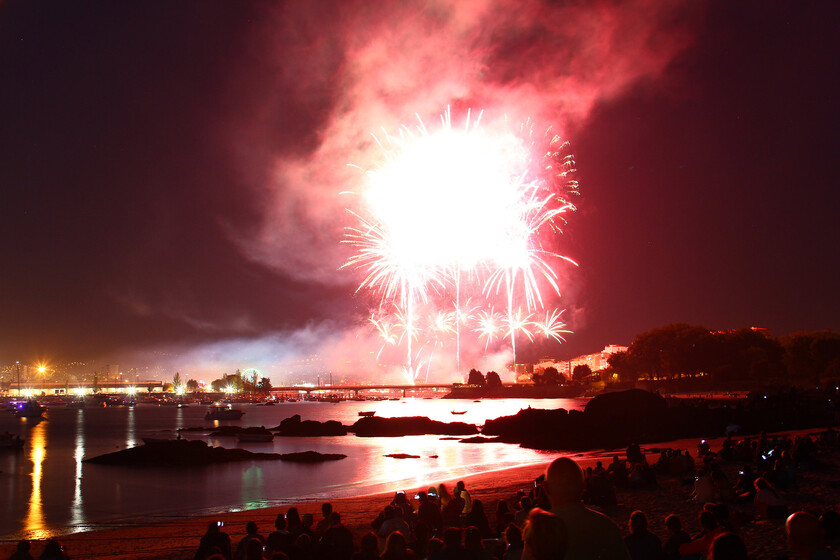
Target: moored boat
(29,409)
(223,412)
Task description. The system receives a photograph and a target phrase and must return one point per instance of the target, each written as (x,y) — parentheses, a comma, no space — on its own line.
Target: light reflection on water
(34,523)
(53,493)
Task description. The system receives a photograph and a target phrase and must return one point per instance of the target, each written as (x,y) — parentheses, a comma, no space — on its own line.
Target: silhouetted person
(396,548)
(323,523)
(545,536)
(53,550)
(592,536)
(251,534)
(477,518)
(641,543)
(337,542)
(280,540)
(806,537)
(514,543)
(214,540)
(369,547)
(728,546)
(676,538)
(22,551)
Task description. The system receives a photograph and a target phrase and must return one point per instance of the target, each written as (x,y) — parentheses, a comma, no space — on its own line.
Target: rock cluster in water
(181,452)
(375,426)
(295,427)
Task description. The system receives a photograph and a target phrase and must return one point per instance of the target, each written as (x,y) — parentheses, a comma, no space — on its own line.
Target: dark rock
(402,456)
(375,426)
(294,427)
(480,439)
(311,457)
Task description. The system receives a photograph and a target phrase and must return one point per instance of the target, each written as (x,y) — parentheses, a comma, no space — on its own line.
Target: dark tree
(192,385)
(493,379)
(549,376)
(581,372)
(476,378)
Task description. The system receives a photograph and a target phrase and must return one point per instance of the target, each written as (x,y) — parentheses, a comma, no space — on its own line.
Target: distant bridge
(356,389)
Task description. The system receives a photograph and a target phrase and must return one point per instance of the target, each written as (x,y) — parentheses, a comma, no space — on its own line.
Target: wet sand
(178,538)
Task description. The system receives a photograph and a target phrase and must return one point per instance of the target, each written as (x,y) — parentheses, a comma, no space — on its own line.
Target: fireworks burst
(462,209)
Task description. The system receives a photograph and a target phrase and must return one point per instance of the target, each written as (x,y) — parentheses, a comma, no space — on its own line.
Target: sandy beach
(178,538)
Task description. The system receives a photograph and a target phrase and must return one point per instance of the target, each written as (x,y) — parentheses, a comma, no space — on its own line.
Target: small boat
(459,412)
(10,441)
(367,413)
(223,412)
(255,437)
(29,409)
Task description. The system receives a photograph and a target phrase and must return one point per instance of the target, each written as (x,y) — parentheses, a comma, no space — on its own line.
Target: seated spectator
(504,517)
(53,550)
(451,513)
(676,538)
(704,487)
(420,543)
(521,516)
(830,521)
(396,548)
(393,522)
(337,542)
(369,547)
(401,502)
(476,518)
(641,543)
(513,543)
(293,524)
(250,534)
(473,547)
(279,540)
(452,547)
(428,512)
(254,550)
(213,541)
(728,546)
(769,504)
(545,536)
(22,551)
(701,543)
(805,537)
(618,473)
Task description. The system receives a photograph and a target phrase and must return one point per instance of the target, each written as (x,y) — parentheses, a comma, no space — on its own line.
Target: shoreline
(177,537)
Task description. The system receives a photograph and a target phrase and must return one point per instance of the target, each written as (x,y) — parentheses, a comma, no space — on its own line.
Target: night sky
(171,170)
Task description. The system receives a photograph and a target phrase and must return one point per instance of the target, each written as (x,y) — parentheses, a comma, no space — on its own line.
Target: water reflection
(34,522)
(77,508)
(131,429)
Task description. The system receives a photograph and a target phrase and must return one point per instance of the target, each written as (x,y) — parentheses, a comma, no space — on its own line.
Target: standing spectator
(293,524)
(641,543)
(806,537)
(591,534)
(323,523)
(461,491)
(504,517)
(429,512)
(394,522)
(251,534)
(521,516)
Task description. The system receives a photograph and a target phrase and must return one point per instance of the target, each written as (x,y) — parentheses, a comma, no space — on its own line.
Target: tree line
(745,356)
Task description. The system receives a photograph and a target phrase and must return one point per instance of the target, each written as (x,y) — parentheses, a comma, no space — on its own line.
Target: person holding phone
(214,541)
